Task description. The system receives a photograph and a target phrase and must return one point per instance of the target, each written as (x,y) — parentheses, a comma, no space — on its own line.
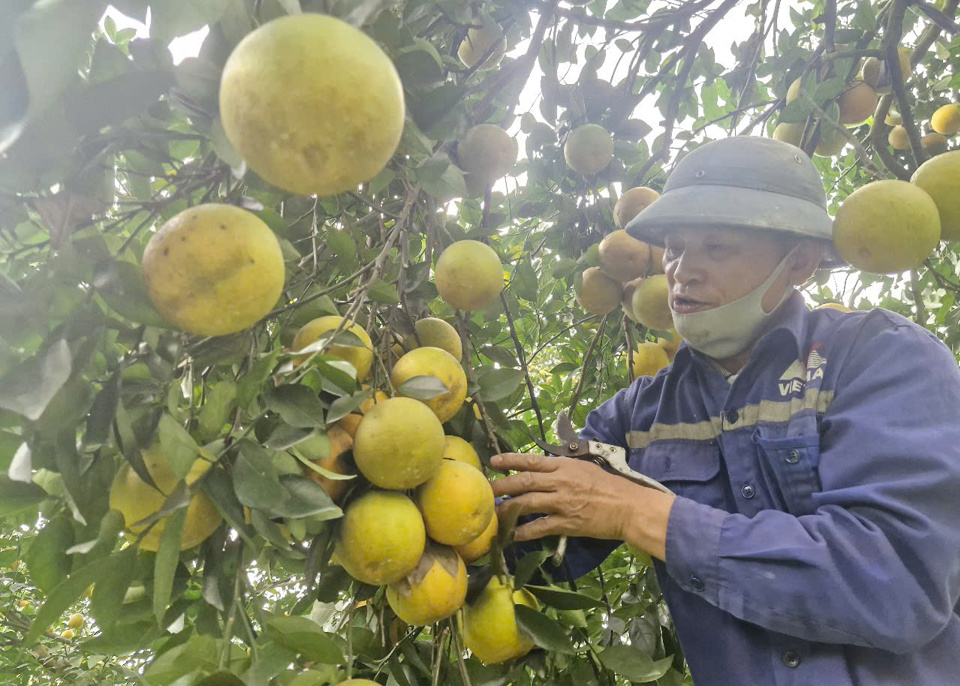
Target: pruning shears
(610,457)
(613,458)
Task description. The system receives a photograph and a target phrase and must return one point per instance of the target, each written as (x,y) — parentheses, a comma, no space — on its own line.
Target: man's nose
(685,268)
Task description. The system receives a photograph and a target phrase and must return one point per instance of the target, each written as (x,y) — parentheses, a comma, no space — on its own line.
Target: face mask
(728,330)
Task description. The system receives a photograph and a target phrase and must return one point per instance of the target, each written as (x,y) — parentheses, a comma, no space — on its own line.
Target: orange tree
(226,450)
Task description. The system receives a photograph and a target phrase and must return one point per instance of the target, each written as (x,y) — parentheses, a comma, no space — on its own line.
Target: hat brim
(706,206)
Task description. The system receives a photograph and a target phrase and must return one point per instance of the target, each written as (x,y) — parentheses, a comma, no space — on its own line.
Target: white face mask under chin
(728,330)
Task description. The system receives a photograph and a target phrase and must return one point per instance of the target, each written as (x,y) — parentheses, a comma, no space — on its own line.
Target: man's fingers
(538,528)
(530,503)
(522,482)
(524,462)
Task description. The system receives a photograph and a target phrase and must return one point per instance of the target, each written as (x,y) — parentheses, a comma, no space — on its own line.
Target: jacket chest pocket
(690,469)
(790,467)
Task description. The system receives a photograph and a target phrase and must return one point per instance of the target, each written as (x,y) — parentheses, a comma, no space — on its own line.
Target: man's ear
(805,261)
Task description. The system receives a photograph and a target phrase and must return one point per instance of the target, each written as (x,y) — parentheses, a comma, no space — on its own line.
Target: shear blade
(549,448)
(565,430)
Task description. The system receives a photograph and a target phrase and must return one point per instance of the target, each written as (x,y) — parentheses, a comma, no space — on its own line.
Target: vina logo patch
(796,377)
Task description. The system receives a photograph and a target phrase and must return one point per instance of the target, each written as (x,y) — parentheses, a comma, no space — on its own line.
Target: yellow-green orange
(489,625)
(833,306)
(441,365)
(478,42)
(433,591)
(436,333)
(857,103)
(399,444)
(623,257)
(381,537)
(599,294)
(946,119)
(589,149)
(626,298)
(213,270)
(934,143)
(330,457)
(459,450)
(672,344)
(312,104)
(870,72)
(479,546)
(886,227)
(649,358)
(898,138)
(789,133)
(361,357)
(487,152)
(632,203)
(469,275)
(831,142)
(940,178)
(136,500)
(456,502)
(650,303)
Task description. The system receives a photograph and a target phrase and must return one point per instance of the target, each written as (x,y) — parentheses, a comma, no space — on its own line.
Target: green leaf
(343,246)
(254,479)
(427,109)
(165,565)
(796,112)
(306,637)
(116,100)
(251,383)
(422,387)
(527,567)
(102,412)
(630,663)
(497,384)
(828,90)
(178,446)
(111,587)
(384,292)
(64,595)
(174,18)
(524,283)
(199,653)
(545,632)
(297,405)
(343,406)
(47,557)
(286,436)
(30,387)
(216,409)
(563,599)
(304,498)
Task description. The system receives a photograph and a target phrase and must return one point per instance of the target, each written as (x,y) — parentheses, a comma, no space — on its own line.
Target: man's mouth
(685,305)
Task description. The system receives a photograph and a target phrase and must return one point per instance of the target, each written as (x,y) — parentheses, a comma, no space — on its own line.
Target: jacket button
(696,584)
(791,659)
(792,457)
(732,416)
(747,491)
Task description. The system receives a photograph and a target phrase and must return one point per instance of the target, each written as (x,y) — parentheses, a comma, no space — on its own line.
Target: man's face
(707,268)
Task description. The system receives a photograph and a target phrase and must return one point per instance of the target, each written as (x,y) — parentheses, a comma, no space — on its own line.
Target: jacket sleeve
(878,562)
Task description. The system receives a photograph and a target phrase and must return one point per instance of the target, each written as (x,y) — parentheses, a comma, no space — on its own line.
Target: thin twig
(889,44)
(586,361)
(523,364)
(938,17)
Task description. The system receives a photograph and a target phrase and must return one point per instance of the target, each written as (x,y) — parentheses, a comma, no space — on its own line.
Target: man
(814,537)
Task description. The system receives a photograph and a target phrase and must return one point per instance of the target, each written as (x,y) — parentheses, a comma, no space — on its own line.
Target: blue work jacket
(815,539)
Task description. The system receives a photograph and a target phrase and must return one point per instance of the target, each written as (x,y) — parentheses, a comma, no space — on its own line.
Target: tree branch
(523,364)
(891,40)
(938,17)
(586,361)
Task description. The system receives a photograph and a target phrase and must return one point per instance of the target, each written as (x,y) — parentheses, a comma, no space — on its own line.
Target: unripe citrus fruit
(870,73)
(312,104)
(469,275)
(650,303)
(360,357)
(599,293)
(436,333)
(623,257)
(399,444)
(76,621)
(456,502)
(857,103)
(940,178)
(793,92)
(334,461)
(136,500)
(487,152)
(441,365)
(632,203)
(479,546)
(433,591)
(788,132)
(893,118)
(67,634)
(350,423)
(459,450)
(946,120)
(489,625)
(886,227)
(670,345)
(831,142)
(381,537)
(649,358)
(934,143)
(589,149)
(626,298)
(213,270)
(477,43)
(367,404)
(898,138)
